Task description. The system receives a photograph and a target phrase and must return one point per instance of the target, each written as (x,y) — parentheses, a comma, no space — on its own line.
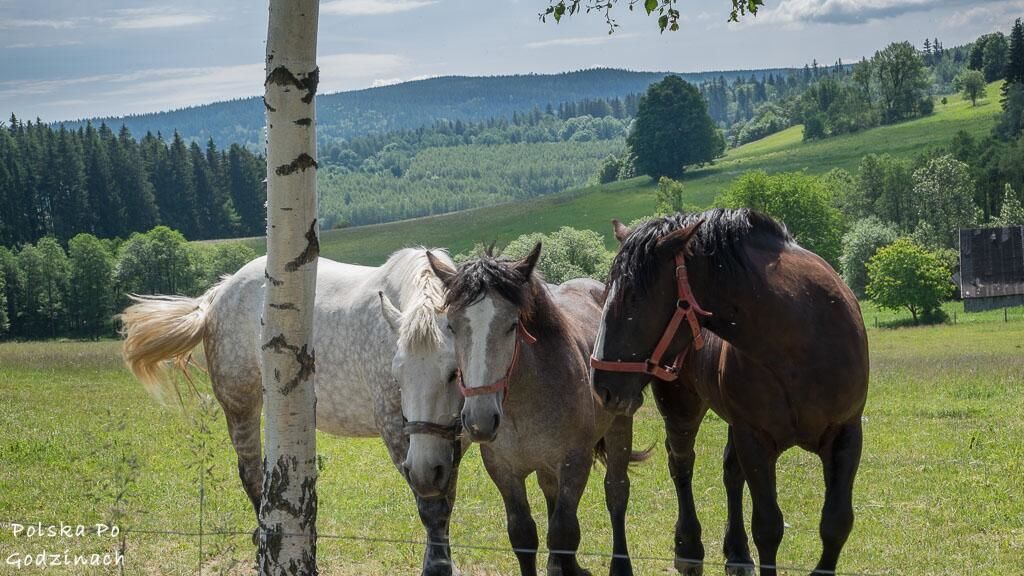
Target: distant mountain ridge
(409,104)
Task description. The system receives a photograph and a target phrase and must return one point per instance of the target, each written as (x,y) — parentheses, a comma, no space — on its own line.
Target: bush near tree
(672,130)
(566,254)
(864,239)
(797,199)
(944,200)
(905,275)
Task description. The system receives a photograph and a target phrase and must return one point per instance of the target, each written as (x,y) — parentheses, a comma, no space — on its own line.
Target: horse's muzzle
(615,403)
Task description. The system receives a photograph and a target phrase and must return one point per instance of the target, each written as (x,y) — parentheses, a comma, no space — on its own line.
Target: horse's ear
(392,314)
(677,241)
(621,231)
(526,265)
(442,270)
(489,251)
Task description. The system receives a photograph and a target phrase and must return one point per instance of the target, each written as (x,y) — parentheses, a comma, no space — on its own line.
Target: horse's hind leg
(757,457)
(840,459)
(734,545)
(619,446)
(564,525)
(243,419)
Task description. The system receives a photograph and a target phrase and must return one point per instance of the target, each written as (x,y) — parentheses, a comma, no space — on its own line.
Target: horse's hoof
(621,567)
(739,570)
(441,569)
(689,567)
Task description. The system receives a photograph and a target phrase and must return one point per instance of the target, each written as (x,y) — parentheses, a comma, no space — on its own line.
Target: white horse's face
(426,378)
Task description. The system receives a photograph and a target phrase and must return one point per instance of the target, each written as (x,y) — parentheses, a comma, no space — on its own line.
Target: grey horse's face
(426,377)
(485,341)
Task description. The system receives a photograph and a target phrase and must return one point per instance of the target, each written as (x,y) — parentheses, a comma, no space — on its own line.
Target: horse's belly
(344,409)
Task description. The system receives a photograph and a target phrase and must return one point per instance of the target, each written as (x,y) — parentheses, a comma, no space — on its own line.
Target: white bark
(287,538)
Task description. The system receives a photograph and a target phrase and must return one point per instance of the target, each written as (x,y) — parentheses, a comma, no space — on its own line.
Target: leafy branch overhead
(668,13)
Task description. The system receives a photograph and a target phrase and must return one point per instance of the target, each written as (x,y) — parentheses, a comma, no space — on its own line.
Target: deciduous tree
(906,275)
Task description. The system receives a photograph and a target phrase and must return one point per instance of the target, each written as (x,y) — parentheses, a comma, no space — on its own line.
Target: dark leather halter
(450,432)
(501,385)
(686,309)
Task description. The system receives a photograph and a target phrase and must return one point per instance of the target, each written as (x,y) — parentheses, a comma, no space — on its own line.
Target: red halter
(501,385)
(686,309)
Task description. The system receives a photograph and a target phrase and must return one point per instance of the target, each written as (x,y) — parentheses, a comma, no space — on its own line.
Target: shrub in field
(800,201)
(1012,212)
(859,245)
(568,253)
(906,275)
(91,298)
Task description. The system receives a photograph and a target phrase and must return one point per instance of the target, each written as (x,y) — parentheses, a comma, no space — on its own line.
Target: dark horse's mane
(486,273)
(722,237)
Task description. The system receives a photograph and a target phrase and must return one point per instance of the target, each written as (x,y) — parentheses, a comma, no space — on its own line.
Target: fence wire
(499,550)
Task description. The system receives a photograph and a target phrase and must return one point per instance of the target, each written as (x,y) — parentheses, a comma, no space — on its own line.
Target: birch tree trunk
(287,537)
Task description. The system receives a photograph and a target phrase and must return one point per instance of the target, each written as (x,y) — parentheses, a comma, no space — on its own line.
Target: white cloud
(850,12)
(127,19)
(579,40)
(168,88)
(990,17)
(149,18)
(37,23)
(371,7)
(378,82)
(44,44)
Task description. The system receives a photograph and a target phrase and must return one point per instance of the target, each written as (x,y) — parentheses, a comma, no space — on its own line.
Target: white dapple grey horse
(382,369)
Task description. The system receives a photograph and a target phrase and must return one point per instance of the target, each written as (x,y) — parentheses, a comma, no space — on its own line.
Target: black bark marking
(268,106)
(282,76)
(271,279)
(307,366)
(305,358)
(310,253)
(285,306)
(304,121)
(303,162)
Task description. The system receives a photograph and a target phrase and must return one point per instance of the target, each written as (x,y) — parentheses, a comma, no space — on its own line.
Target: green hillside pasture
(594,206)
(938,491)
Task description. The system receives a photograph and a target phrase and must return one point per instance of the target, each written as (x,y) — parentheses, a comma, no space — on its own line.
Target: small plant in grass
(121,464)
(904,275)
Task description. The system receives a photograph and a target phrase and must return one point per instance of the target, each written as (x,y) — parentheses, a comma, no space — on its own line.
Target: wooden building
(991,267)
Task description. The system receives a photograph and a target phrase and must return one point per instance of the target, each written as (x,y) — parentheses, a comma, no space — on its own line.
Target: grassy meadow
(938,491)
(594,206)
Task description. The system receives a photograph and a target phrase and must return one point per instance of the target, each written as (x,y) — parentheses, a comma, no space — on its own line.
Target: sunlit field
(938,491)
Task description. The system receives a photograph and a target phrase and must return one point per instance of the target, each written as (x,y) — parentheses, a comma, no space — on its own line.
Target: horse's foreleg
(757,457)
(564,526)
(522,530)
(619,446)
(734,545)
(435,514)
(683,412)
(840,459)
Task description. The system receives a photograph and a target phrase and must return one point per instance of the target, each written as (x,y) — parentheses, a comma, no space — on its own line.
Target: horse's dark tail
(635,456)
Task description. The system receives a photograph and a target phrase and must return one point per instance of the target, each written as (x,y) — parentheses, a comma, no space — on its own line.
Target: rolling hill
(412,104)
(593,207)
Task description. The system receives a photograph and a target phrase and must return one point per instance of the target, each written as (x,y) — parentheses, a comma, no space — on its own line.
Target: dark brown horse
(522,347)
(781,355)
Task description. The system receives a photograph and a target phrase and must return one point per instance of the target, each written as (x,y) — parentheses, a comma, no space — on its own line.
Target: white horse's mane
(422,296)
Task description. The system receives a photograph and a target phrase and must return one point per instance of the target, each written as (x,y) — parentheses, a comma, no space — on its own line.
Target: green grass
(938,491)
(593,207)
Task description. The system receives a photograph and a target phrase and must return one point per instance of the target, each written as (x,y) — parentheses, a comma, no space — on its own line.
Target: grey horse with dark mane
(522,347)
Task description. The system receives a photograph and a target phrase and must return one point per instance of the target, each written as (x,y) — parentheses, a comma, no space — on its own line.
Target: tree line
(48,292)
(59,182)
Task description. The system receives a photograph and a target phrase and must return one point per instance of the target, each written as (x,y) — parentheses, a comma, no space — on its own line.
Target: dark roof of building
(991,262)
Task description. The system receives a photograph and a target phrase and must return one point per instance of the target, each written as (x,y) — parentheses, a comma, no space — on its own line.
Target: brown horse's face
(631,326)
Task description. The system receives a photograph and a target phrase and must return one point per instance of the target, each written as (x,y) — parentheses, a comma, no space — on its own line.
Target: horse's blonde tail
(161,328)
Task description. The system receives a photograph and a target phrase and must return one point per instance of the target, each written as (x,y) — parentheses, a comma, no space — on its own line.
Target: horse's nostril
(438,476)
(606,396)
(497,420)
(405,471)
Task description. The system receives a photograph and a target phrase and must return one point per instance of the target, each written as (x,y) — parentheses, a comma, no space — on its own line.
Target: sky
(70,59)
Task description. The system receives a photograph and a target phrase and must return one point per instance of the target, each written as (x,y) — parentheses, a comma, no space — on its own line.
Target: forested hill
(409,104)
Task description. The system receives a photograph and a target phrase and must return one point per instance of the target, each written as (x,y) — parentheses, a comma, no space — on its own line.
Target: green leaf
(651,6)
(663,22)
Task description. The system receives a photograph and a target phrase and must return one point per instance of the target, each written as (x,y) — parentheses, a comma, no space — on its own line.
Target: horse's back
(581,300)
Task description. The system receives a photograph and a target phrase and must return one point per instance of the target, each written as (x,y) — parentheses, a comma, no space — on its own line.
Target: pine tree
(1015,60)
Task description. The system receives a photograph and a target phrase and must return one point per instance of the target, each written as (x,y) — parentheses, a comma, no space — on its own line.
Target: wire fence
(494,549)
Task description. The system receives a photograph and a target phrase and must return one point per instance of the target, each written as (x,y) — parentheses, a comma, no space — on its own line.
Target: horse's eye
(451,329)
(453,376)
